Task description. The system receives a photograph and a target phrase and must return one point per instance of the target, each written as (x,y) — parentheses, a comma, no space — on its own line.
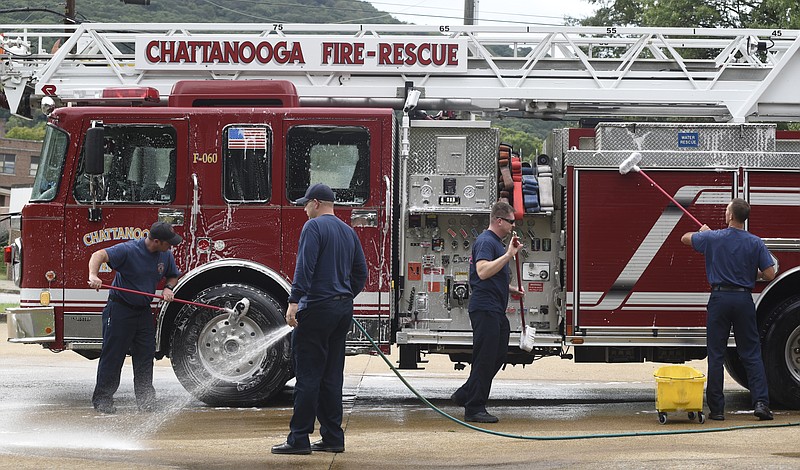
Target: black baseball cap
(164,232)
(319,191)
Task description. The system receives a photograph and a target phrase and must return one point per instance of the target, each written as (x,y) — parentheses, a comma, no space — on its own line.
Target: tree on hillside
(27,133)
(770,14)
(527,145)
(23,129)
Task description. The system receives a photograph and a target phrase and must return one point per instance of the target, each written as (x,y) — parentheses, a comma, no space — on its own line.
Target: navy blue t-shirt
(330,262)
(488,294)
(733,256)
(139,269)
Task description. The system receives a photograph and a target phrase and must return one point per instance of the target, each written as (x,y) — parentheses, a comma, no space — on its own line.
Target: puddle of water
(68,439)
(31,425)
(168,410)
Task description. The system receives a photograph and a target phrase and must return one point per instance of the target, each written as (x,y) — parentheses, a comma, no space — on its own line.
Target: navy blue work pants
(726,309)
(125,330)
(318,350)
(490,332)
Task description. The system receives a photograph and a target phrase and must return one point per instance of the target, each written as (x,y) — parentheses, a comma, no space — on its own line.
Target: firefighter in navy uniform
(489,278)
(330,272)
(127,318)
(735,258)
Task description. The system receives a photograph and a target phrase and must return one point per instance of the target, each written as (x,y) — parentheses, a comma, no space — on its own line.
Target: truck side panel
(631,270)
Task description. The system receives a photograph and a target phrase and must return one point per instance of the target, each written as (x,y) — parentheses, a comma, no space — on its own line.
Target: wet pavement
(46,421)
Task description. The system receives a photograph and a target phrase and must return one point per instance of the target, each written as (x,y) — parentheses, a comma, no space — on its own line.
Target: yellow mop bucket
(679,388)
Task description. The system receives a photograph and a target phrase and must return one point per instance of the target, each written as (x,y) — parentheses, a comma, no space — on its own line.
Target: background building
(19,160)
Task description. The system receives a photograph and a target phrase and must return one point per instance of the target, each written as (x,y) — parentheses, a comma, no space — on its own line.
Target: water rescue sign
(302,53)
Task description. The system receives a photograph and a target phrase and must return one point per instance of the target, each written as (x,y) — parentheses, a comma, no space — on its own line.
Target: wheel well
(778,292)
(231,275)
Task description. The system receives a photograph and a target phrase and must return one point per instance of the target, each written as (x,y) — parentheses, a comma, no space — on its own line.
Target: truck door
(347,156)
(139,186)
(238,199)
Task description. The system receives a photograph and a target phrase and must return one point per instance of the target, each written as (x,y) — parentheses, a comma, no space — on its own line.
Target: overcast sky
(489,12)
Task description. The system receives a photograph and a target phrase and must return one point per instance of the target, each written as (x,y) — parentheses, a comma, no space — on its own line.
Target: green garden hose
(555,438)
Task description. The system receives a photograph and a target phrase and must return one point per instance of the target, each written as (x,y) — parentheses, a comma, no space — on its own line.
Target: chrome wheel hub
(231,351)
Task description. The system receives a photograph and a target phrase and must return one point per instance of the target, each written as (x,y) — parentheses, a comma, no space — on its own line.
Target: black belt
(129,305)
(724,288)
(340,297)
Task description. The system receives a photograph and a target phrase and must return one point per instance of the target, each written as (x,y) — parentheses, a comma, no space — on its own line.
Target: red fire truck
(606,276)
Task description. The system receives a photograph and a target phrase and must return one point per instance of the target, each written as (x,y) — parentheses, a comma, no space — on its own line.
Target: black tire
(662,418)
(781,351)
(735,368)
(225,365)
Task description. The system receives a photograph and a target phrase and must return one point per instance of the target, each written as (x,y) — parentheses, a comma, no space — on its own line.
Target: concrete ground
(47,422)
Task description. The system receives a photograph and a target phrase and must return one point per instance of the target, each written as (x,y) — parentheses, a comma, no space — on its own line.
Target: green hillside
(197,11)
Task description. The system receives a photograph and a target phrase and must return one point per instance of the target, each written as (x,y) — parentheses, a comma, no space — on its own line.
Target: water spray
(239,309)
(632,164)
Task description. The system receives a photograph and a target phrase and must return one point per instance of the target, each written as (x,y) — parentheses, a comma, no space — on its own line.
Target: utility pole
(70,12)
(469,12)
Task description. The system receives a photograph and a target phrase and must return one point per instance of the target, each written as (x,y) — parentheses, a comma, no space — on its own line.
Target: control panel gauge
(426,191)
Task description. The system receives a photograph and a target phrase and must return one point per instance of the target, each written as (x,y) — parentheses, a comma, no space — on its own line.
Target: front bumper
(31,325)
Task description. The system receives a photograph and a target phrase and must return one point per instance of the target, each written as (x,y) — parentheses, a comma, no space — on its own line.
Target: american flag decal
(247,138)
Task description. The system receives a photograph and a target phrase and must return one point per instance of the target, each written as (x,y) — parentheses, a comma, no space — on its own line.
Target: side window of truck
(334,155)
(246,163)
(139,166)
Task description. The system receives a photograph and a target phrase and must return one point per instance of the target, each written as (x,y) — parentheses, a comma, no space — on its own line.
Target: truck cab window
(139,166)
(246,163)
(51,166)
(334,155)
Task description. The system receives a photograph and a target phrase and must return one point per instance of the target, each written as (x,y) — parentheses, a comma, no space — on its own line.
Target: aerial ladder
(552,72)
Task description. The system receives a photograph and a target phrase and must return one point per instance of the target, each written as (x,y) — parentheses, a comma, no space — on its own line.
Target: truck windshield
(51,166)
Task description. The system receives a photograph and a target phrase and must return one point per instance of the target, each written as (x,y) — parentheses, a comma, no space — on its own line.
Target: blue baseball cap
(319,191)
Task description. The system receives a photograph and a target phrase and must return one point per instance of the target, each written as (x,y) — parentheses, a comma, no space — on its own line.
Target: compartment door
(629,270)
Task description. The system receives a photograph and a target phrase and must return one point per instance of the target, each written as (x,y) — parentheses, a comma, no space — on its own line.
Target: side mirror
(94,164)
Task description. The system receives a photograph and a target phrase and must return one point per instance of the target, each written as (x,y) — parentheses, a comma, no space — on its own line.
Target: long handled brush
(528,334)
(237,311)
(632,164)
